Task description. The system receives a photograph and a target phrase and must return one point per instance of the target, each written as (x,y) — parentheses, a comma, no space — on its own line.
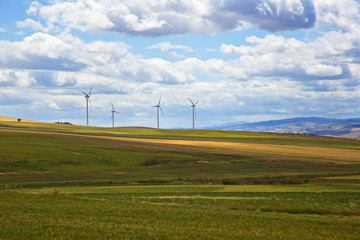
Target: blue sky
(248,60)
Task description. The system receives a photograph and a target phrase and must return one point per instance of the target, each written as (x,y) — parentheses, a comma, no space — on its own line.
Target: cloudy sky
(244,60)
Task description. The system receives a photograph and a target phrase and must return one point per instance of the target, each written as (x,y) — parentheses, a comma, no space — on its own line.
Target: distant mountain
(308,125)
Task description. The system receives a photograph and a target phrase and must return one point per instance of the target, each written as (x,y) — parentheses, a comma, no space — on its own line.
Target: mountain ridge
(303,125)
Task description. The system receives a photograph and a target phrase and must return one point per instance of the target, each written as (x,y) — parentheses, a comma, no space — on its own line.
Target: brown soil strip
(205,197)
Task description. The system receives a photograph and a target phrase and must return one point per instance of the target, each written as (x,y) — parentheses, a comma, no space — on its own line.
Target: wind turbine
(193,105)
(87,97)
(157,111)
(113,114)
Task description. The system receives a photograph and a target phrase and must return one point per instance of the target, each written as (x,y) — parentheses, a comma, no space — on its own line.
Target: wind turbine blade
(90,91)
(196,102)
(191,101)
(116,112)
(112,106)
(84,93)
(161,111)
(90,104)
(159,101)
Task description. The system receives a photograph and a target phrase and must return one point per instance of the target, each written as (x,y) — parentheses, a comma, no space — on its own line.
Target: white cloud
(241,50)
(168,72)
(344,14)
(155,18)
(33,25)
(165,48)
(33,9)
(326,56)
(323,70)
(2,30)
(39,51)
(329,56)
(54,106)
(269,56)
(274,15)
(16,78)
(84,15)
(64,52)
(355,70)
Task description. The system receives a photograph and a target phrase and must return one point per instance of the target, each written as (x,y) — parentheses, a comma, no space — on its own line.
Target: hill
(8,119)
(56,180)
(308,125)
(47,153)
(62,181)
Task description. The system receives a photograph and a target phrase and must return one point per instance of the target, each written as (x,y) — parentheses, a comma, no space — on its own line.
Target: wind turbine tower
(113,114)
(157,111)
(193,105)
(87,97)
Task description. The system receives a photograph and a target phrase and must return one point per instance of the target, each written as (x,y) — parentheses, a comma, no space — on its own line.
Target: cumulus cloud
(323,70)
(155,18)
(2,30)
(33,25)
(64,52)
(273,15)
(16,78)
(240,50)
(344,15)
(166,46)
(39,51)
(327,57)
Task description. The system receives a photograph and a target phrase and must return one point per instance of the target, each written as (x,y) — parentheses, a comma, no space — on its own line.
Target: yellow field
(272,152)
(339,156)
(7,119)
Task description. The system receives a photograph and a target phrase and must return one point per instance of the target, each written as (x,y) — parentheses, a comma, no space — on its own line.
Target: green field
(181,212)
(73,182)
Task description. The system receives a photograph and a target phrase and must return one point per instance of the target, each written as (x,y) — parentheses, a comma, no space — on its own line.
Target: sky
(244,60)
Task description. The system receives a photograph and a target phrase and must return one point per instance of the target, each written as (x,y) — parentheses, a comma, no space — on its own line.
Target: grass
(73,182)
(75,155)
(179,212)
(199,135)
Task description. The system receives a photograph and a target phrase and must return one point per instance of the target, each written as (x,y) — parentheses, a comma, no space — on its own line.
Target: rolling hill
(62,181)
(48,153)
(308,125)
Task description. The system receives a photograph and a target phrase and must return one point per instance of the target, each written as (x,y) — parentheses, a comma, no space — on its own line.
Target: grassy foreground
(71,182)
(181,212)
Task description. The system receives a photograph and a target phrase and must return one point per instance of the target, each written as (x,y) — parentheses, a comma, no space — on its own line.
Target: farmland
(73,182)
(181,212)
